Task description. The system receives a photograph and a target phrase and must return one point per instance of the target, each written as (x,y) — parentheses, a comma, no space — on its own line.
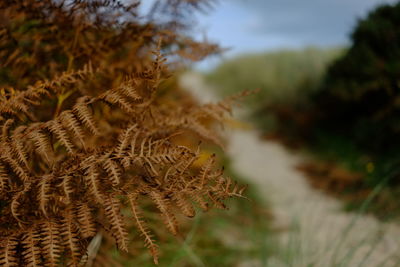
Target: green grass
(287,75)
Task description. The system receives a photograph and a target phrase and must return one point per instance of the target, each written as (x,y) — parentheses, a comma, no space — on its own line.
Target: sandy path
(318,232)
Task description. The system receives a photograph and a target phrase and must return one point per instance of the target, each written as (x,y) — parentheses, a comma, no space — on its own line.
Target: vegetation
(228,238)
(365,85)
(358,104)
(343,106)
(282,76)
(91,129)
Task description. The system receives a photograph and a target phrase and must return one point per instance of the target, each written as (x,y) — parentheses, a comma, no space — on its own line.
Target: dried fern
(79,146)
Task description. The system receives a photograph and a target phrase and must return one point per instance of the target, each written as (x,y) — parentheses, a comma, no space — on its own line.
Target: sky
(246,26)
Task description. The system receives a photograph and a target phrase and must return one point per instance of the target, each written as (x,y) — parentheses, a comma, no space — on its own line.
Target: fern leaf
(8,252)
(19,149)
(4,179)
(44,192)
(6,128)
(141,226)
(127,88)
(228,188)
(20,172)
(68,77)
(32,250)
(82,111)
(203,132)
(71,239)
(114,216)
(68,187)
(14,105)
(127,160)
(198,198)
(71,123)
(16,203)
(184,204)
(85,219)
(51,243)
(92,180)
(125,139)
(216,201)
(57,128)
(204,174)
(114,97)
(163,205)
(42,144)
(113,170)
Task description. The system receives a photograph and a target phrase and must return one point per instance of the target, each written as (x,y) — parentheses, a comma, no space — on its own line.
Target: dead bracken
(90,127)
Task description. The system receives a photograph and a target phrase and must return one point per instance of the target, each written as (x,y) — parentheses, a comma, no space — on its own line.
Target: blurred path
(317,231)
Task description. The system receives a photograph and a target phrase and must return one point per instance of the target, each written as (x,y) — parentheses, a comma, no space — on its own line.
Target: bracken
(89,129)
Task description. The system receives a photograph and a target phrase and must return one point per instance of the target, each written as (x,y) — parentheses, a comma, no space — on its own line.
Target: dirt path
(318,232)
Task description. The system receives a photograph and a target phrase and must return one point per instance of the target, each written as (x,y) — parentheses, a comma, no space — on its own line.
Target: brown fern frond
(15,206)
(22,100)
(113,170)
(18,147)
(199,199)
(225,187)
(32,250)
(4,180)
(84,216)
(184,204)
(83,112)
(159,152)
(19,102)
(8,251)
(5,129)
(127,89)
(66,78)
(44,192)
(115,97)
(19,170)
(71,123)
(42,144)
(125,139)
(163,205)
(51,243)
(57,128)
(216,201)
(93,183)
(141,226)
(71,239)
(114,216)
(205,170)
(68,187)
(127,160)
(203,132)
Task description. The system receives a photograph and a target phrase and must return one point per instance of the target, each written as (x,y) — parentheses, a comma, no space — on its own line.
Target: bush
(359,98)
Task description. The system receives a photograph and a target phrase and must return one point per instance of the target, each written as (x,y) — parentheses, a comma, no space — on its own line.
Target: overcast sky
(259,25)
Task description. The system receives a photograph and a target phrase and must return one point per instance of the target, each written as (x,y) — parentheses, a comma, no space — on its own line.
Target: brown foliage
(87,131)
(330,177)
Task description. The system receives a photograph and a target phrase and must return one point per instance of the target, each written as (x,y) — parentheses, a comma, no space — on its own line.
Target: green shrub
(361,91)
(360,96)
